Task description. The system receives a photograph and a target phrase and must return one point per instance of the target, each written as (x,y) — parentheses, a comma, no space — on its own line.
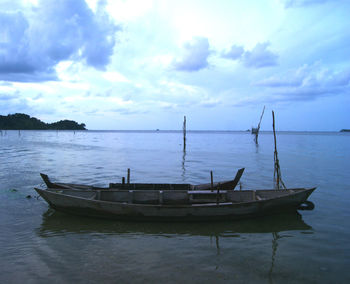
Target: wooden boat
(174,205)
(224,185)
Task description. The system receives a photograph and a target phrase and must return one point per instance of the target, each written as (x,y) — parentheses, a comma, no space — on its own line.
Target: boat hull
(89,206)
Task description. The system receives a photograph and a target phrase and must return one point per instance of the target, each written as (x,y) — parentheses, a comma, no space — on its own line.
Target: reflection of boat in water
(55,223)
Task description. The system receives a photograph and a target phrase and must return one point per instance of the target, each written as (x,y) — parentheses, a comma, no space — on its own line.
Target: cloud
(301,3)
(235,52)
(114,76)
(313,75)
(307,83)
(260,57)
(6,84)
(12,103)
(195,55)
(6,97)
(276,81)
(33,42)
(210,103)
(38,97)
(126,111)
(177,94)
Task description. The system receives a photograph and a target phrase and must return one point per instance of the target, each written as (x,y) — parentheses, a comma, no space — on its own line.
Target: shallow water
(40,245)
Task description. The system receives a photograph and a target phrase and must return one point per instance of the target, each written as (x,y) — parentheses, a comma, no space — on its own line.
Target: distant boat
(254,130)
(345,130)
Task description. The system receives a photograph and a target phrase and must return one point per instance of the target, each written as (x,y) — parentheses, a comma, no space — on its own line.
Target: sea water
(40,245)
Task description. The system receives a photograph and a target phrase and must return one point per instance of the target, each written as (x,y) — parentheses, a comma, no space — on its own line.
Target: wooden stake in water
(218,194)
(277,170)
(211,181)
(184,131)
(128,177)
(258,128)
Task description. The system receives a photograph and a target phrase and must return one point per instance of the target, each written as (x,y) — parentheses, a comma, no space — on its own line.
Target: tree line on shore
(21,121)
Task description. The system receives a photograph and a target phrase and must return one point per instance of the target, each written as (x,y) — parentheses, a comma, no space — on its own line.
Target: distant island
(345,130)
(21,121)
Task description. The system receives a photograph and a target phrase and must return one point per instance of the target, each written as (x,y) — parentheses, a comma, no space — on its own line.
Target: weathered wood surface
(226,185)
(174,205)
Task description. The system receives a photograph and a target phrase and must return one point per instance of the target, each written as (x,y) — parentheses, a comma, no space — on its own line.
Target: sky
(143,65)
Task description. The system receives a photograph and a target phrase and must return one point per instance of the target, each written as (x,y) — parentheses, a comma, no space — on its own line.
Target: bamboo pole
(128,177)
(184,132)
(258,129)
(218,194)
(277,170)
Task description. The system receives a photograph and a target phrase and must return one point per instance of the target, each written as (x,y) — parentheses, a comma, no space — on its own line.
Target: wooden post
(211,181)
(123,180)
(128,177)
(258,128)
(277,170)
(184,132)
(218,194)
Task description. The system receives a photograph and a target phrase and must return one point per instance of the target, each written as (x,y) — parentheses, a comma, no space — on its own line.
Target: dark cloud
(260,57)
(195,55)
(32,43)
